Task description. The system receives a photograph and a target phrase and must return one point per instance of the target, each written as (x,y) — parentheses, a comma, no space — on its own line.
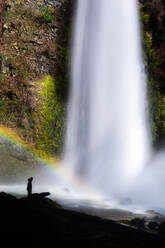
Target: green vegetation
(50,128)
(53,93)
(152,61)
(145,18)
(45,15)
(156,99)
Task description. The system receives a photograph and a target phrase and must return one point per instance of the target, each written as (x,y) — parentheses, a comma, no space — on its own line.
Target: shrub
(45,15)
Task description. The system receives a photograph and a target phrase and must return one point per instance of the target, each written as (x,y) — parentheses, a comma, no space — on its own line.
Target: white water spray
(107,141)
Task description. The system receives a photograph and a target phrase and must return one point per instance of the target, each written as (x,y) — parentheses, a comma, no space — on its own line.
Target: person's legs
(29,193)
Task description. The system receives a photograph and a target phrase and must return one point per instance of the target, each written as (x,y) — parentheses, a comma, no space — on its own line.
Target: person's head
(30,179)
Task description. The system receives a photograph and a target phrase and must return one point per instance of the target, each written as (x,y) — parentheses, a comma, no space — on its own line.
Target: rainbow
(11,135)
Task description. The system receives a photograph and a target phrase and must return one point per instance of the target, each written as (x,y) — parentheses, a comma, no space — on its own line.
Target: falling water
(107,139)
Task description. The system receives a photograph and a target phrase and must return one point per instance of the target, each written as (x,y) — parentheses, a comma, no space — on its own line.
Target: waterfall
(107,140)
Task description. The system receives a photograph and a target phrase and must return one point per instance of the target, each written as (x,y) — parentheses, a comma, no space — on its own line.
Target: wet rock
(15,163)
(138,222)
(153,225)
(44,194)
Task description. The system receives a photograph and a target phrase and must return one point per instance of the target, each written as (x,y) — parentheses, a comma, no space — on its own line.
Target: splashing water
(107,141)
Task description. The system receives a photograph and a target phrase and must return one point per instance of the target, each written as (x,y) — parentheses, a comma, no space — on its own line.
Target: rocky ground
(43,220)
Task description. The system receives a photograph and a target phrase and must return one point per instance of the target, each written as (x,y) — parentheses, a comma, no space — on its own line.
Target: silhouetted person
(29,186)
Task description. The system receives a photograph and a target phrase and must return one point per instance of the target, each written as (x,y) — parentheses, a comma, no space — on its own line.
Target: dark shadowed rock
(153,225)
(137,222)
(43,220)
(7,202)
(44,194)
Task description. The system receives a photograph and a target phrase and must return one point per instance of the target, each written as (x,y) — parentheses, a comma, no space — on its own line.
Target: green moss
(51,125)
(145,18)
(52,108)
(156,100)
(151,58)
(157,112)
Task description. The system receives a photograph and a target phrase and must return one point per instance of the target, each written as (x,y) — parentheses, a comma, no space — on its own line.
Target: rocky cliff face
(33,76)
(153,22)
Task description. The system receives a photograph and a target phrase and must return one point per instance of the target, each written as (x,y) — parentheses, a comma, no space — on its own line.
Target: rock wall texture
(33,75)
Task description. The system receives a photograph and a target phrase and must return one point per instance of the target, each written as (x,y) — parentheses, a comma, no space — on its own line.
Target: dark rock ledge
(43,220)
